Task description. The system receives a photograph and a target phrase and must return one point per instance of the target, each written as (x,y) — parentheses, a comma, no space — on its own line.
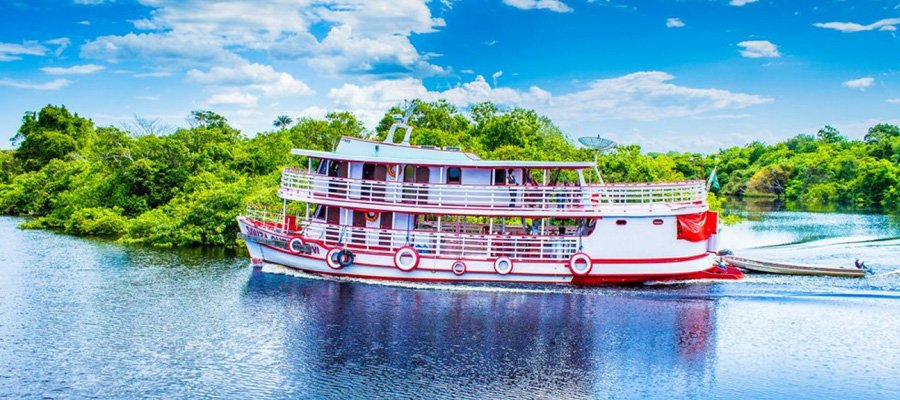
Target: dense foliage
(185,188)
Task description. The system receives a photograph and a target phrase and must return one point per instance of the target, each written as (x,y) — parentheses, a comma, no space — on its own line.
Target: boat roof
(361,150)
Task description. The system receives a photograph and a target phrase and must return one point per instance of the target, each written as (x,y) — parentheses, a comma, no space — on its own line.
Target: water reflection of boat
(370,341)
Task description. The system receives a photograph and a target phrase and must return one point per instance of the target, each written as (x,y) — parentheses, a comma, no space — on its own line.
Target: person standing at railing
(511,182)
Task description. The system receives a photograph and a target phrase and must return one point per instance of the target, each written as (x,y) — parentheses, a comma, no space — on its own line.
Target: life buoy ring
(406,259)
(332,258)
(458,268)
(372,216)
(580,264)
(295,245)
(503,265)
(390,170)
(345,258)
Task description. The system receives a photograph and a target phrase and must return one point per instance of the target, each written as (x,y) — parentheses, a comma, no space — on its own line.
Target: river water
(88,318)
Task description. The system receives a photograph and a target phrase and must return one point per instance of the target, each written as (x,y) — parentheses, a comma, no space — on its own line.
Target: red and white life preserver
(503,265)
(295,245)
(372,216)
(595,198)
(458,268)
(406,258)
(391,171)
(580,264)
(332,258)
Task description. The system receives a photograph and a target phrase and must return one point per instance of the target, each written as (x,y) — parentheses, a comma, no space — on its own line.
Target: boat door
(381,177)
(415,193)
(387,222)
(337,169)
(422,176)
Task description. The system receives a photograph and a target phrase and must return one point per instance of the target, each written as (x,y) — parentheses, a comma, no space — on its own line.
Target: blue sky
(689,75)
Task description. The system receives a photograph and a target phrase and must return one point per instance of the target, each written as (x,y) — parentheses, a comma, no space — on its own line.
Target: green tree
(51,133)
(282,122)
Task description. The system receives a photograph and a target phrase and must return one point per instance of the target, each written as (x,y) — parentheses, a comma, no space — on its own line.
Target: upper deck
(377,176)
(490,200)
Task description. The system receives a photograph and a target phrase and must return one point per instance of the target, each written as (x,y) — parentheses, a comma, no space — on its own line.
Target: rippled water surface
(86,318)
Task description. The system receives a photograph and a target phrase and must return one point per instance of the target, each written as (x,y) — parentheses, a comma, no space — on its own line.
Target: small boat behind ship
(771,267)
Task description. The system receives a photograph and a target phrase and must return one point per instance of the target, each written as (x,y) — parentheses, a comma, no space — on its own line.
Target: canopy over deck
(360,150)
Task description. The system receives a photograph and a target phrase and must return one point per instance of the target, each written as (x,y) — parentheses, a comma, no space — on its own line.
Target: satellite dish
(596,143)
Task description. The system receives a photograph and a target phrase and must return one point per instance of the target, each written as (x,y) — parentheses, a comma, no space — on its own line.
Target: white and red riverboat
(380,210)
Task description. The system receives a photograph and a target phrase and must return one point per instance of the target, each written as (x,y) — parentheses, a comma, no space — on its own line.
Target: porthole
(621,222)
(657,222)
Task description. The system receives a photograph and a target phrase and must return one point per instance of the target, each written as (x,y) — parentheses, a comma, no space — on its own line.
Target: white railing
(444,244)
(431,242)
(300,185)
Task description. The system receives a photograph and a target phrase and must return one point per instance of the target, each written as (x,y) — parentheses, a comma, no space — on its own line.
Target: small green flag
(713,182)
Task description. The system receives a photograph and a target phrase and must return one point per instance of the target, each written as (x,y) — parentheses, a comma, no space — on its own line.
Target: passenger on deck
(511,181)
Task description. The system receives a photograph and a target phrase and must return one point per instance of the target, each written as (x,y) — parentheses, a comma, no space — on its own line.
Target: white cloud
(149,98)
(759,49)
(313,112)
(232,98)
(551,5)
(14,51)
(894,101)
(496,75)
(154,74)
(646,96)
(92,2)
(741,3)
(255,77)
(674,23)
(85,69)
(60,43)
(888,24)
(369,36)
(861,83)
(55,84)
(640,96)
(157,48)
(84,22)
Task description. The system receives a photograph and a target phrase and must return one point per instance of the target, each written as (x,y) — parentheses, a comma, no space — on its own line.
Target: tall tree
(282,122)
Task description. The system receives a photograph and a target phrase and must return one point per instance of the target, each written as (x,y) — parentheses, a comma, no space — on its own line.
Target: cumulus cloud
(55,84)
(640,96)
(255,77)
(232,98)
(759,49)
(888,24)
(14,51)
(674,23)
(861,83)
(741,3)
(646,96)
(60,43)
(85,69)
(369,37)
(551,5)
(894,101)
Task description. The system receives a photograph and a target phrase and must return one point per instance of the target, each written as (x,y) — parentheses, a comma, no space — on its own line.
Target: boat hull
(369,265)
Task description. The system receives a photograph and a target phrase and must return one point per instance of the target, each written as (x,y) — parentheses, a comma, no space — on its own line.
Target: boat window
(621,222)
(409,173)
(454,175)
(499,177)
(322,167)
(368,171)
